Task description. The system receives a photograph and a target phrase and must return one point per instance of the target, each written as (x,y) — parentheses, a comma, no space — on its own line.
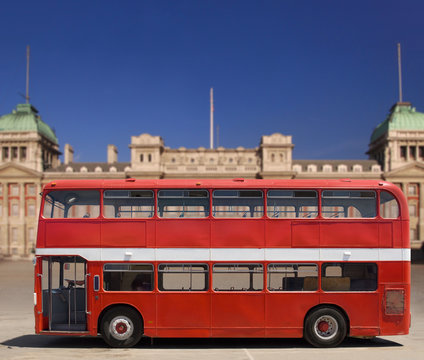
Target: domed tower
(28,146)
(399,139)
(398,145)
(27,140)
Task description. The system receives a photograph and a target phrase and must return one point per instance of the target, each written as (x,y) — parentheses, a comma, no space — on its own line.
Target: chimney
(112,154)
(69,154)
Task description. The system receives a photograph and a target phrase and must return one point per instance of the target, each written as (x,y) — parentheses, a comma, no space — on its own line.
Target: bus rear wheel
(121,327)
(325,327)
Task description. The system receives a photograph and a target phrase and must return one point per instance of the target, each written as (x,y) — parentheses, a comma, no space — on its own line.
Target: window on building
(149,157)
(238,203)
(327,168)
(183,277)
(237,277)
(349,204)
(297,168)
(421,152)
(128,277)
(22,153)
(15,209)
(72,204)
(292,204)
(14,152)
(15,235)
(412,209)
(413,152)
(31,189)
(342,168)
(31,210)
(292,277)
(357,168)
(403,152)
(389,207)
(183,203)
(412,189)
(128,204)
(5,153)
(141,157)
(349,277)
(14,190)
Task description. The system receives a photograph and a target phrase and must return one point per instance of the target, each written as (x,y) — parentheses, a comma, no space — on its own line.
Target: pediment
(415,169)
(12,170)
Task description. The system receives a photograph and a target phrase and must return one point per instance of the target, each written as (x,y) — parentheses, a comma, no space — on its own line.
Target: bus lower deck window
(128,277)
(183,277)
(237,277)
(349,277)
(292,277)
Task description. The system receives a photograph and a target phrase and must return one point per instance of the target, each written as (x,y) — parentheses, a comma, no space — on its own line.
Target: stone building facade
(30,159)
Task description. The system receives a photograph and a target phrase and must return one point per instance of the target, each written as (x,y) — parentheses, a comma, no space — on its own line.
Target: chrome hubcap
(121,327)
(326,327)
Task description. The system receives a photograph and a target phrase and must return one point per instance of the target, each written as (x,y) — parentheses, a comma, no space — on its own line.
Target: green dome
(26,118)
(402,116)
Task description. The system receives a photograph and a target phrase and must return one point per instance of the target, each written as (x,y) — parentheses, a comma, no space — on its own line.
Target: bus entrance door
(64,295)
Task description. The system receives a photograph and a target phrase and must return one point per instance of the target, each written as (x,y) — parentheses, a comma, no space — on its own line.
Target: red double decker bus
(319,259)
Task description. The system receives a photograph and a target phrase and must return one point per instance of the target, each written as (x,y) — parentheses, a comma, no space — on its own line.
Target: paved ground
(18,341)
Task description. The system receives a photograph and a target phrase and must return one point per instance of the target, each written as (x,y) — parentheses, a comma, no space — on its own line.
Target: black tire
(121,327)
(325,327)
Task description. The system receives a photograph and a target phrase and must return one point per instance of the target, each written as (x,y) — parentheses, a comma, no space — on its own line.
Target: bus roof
(219,183)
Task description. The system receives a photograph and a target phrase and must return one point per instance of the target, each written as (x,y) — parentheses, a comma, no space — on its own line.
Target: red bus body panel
(232,314)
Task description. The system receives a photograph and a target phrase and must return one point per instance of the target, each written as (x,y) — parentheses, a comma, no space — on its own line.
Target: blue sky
(324,72)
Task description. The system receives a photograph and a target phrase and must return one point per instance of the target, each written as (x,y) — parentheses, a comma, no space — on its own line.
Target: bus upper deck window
(128,204)
(349,204)
(72,204)
(389,207)
(238,204)
(292,204)
(183,203)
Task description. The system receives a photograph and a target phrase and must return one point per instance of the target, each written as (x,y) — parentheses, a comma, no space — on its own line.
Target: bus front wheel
(121,327)
(325,327)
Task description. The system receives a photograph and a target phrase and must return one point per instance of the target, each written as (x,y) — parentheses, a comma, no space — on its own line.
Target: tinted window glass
(128,277)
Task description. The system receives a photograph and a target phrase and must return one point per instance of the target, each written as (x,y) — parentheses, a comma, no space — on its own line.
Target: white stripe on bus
(231,254)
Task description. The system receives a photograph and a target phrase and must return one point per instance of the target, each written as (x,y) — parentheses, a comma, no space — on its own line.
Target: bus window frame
(46,193)
(263,197)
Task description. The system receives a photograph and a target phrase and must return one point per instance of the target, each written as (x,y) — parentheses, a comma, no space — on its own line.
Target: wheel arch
(111,306)
(333,306)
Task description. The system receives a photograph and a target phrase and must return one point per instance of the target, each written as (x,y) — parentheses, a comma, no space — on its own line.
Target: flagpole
(400,73)
(211,119)
(27,77)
